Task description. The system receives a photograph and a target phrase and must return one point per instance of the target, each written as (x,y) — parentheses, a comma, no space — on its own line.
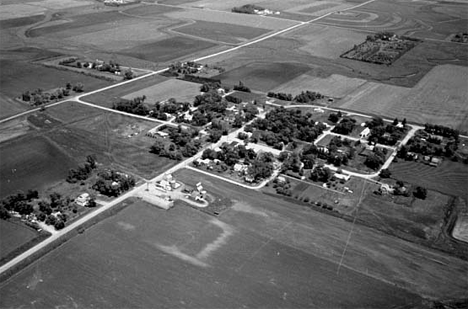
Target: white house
(342,176)
(83,199)
(365,133)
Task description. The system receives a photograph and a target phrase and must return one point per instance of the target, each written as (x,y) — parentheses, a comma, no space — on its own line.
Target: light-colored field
(439,98)
(326,42)
(460,231)
(319,8)
(233,18)
(13,128)
(336,86)
(173,88)
(124,36)
(10,11)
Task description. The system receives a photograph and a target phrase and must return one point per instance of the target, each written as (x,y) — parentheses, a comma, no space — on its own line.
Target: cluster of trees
(113,183)
(83,171)
(335,117)
(38,97)
(184,68)
(425,146)
(385,134)
(375,159)
(308,97)
(282,187)
(280,96)
(345,127)
(242,87)
(321,173)
(247,9)
(182,144)
(284,125)
(135,106)
(171,106)
(19,202)
(441,130)
(233,99)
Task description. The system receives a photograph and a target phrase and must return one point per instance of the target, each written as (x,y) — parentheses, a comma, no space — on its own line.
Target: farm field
(222,263)
(14,235)
(180,90)
(336,86)
(108,97)
(448,178)
(21,21)
(369,252)
(167,49)
(31,162)
(262,76)
(439,98)
(221,32)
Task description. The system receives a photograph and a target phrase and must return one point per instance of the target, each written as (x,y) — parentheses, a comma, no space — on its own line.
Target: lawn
(192,260)
(31,162)
(180,90)
(263,76)
(221,32)
(448,178)
(167,49)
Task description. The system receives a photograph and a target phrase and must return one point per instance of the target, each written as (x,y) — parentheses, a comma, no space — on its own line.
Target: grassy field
(21,21)
(263,76)
(221,32)
(14,235)
(17,77)
(173,88)
(107,97)
(31,162)
(448,178)
(336,86)
(167,49)
(201,263)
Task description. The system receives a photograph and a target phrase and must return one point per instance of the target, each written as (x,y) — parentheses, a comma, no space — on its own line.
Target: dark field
(192,260)
(167,49)
(17,77)
(21,21)
(263,76)
(226,33)
(31,162)
(151,10)
(14,235)
(449,177)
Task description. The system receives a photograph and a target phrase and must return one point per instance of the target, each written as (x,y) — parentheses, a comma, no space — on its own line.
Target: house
(155,133)
(342,177)
(249,179)
(323,149)
(365,133)
(164,185)
(386,189)
(400,125)
(281,179)
(240,167)
(319,110)
(435,161)
(82,199)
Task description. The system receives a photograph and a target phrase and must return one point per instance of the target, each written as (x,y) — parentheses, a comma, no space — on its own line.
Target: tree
(420,193)
(385,173)
(215,135)
(128,74)
(92,203)
(59,224)
(78,87)
(395,121)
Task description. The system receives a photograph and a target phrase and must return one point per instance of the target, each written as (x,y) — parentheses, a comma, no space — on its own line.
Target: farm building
(365,133)
(155,133)
(83,199)
(435,161)
(386,189)
(342,177)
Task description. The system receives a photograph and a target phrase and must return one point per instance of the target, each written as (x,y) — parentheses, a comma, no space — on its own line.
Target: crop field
(108,97)
(448,178)
(15,10)
(13,128)
(263,76)
(17,77)
(368,251)
(222,264)
(14,235)
(336,86)
(21,21)
(31,162)
(221,32)
(247,20)
(167,49)
(180,90)
(439,98)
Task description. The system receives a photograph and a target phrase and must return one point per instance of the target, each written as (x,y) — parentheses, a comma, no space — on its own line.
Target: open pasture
(369,252)
(31,162)
(20,21)
(180,90)
(192,260)
(17,77)
(10,107)
(448,178)
(167,49)
(336,86)
(221,32)
(439,98)
(263,76)
(16,10)
(13,128)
